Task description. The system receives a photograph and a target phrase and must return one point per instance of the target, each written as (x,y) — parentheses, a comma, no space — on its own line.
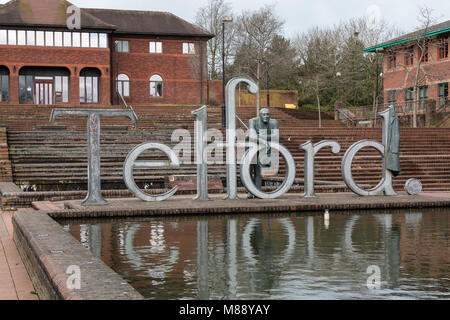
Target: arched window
(123,85)
(4,84)
(156,86)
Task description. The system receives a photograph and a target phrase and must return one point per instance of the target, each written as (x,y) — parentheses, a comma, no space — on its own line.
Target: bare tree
(334,67)
(210,18)
(318,52)
(256,31)
(426,20)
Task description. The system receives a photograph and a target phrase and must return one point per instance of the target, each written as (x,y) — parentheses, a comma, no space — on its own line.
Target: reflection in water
(202,259)
(232,257)
(413,219)
(276,256)
(348,232)
(309,230)
(95,240)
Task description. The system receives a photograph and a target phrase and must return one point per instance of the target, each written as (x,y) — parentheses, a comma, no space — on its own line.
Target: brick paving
(15,284)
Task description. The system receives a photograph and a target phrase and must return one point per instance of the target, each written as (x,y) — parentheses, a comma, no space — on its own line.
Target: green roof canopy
(435,30)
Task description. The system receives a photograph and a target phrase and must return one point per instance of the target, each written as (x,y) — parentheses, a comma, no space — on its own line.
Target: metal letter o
(250,185)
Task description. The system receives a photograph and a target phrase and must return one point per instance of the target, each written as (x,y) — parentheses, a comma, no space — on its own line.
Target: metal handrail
(401,107)
(442,103)
(346,115)
(242,122)
(127,106)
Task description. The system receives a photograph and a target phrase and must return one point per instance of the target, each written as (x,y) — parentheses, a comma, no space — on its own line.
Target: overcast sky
(299,15)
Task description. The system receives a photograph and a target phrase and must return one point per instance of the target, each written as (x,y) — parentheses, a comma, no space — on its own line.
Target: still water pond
(290,256)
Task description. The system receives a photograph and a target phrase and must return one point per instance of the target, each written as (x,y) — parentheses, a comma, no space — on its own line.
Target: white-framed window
(94,40)
(123,85)
(58,39)
(188,48)
(3,37)
(40,38)
(155,47)
(21,38)
(156,86)
(49,38)
(31,38)
(67,39)
(76,39)
(12,37)
(85,40)
(54,39)
(103,40)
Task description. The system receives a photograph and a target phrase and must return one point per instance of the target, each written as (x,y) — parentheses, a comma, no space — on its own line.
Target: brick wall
(184,76)
(5,164)
(432,72)
(74,59)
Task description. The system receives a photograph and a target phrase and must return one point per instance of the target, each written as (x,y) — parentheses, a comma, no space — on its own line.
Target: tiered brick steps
(56,159)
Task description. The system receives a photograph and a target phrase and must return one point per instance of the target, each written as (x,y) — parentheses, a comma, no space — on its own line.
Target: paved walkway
(15,284)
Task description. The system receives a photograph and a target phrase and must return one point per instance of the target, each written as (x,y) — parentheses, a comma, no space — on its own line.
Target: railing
(242,122)
(404,108)
(126,105)
(346,115)
(442,104)
(429,111)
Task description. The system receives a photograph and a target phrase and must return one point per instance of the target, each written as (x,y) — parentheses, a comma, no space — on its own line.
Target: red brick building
(148,57)
(400,63)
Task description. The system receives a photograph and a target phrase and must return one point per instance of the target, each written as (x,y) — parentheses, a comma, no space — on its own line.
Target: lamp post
(267,87)
(376,86)
(224,20)
(117,71)
(338,76)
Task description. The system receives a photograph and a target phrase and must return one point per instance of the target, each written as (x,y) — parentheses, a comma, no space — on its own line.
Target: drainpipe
(201,71)
(112,71)
(116,78)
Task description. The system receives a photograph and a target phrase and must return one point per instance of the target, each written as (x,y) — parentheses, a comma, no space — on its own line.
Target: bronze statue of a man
(266,129)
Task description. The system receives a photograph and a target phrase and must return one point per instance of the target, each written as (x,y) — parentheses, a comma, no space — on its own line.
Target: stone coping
(13,198)
(291,203)
(47,251)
